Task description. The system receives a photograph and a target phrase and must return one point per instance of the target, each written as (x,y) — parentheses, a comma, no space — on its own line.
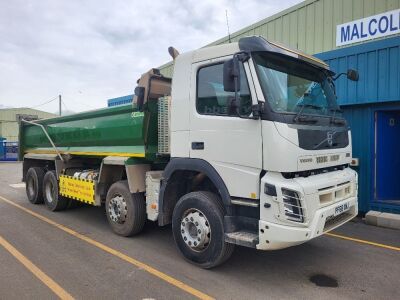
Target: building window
(211,97)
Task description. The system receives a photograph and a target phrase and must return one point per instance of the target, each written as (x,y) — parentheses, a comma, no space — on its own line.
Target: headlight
(292,205)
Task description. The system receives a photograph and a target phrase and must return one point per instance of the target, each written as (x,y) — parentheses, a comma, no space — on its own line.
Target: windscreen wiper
(299,117)
(333,119)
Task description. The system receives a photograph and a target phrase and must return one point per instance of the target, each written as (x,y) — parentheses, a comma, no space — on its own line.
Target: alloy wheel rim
(118,209)
(50,192)
(195,230)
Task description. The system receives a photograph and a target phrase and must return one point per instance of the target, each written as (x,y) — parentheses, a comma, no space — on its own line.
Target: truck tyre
(126,212)
(198,229)
(52,199)
(34,185)
(72,204)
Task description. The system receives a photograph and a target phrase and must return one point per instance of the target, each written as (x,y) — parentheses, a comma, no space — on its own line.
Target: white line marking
(18,185)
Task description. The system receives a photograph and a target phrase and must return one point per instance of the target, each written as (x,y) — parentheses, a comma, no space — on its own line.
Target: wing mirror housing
(352,75)
(232,75)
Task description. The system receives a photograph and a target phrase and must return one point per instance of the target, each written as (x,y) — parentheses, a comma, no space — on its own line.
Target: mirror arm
(256,110)
(243,56)
(338,75)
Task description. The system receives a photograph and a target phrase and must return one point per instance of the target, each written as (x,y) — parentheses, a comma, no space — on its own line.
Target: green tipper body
(117,131)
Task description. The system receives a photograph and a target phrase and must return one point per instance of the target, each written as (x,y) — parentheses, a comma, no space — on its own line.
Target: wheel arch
(45,164)
(177,175)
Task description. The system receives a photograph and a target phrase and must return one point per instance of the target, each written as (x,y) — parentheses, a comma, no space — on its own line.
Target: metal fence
(8,151)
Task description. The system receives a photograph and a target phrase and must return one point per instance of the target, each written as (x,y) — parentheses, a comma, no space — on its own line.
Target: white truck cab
(283,149)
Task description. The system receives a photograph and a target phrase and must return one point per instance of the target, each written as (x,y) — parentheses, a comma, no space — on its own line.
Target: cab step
(242,238)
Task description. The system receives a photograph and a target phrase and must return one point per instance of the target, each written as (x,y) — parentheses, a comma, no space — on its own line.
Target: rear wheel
(52,199)
(72,204)
(126,212)
(34,185)
(198,229)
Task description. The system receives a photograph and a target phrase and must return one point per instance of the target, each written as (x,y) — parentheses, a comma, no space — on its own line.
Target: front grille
(310,139)
(331,194)
(332,222)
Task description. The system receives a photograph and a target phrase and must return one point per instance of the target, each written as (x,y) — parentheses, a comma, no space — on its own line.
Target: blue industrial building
(372,108)
(120,101)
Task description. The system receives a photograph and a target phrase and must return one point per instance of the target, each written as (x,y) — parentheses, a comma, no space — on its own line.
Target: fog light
(292,205)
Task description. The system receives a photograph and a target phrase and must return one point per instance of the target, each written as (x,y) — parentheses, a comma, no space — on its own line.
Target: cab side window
(211,97)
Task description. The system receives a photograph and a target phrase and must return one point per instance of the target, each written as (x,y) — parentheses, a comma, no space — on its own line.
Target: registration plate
(341,208)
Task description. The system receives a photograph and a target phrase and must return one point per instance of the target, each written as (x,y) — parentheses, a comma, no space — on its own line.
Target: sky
(90,51)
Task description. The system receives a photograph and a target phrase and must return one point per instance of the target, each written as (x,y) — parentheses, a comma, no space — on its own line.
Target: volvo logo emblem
(329,138)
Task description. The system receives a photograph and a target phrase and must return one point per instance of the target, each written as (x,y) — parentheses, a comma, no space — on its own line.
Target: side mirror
(232,75)
(352,75)
(139,93)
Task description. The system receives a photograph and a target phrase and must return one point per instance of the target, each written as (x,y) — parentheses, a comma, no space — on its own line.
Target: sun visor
(257,43)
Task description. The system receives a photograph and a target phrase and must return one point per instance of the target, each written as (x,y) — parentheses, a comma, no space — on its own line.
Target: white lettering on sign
(369,28)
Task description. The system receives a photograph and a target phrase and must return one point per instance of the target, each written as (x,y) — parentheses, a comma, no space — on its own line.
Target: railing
(8,151)
(47,135)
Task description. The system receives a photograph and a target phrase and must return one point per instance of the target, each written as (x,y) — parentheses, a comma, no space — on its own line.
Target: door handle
(198,145)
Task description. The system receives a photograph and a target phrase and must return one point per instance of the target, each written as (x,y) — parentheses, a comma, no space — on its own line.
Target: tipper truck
(244,145)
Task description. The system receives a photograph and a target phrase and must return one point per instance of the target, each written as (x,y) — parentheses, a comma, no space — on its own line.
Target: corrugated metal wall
(309,26)
(378,65)
(360,119)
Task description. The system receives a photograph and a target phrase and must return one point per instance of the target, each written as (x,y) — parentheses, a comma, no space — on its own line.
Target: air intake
(164,104)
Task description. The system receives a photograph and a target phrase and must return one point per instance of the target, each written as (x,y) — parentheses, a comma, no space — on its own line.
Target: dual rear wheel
(126,212)
(41,187)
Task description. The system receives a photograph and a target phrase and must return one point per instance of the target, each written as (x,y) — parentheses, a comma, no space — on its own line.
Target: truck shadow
(296,264)
(315,249)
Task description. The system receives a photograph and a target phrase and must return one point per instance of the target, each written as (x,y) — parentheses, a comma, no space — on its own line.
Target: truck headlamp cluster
(292,206)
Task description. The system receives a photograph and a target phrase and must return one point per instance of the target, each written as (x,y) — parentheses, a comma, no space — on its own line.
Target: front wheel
(198,229)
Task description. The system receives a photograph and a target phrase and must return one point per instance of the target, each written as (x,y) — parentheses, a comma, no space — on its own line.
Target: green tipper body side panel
(115,131)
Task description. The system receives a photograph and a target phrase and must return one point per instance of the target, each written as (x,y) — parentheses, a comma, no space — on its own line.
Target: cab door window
(213,100)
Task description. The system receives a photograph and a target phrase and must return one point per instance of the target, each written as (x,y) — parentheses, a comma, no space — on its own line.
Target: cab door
(232,145)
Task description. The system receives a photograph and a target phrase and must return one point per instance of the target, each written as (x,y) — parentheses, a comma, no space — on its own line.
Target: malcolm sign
(368,28)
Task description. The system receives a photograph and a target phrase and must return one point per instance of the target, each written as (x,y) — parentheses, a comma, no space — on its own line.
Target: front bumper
(276,236)
(319,201)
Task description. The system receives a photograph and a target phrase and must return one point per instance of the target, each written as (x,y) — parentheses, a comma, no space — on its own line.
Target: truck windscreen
(293,87)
